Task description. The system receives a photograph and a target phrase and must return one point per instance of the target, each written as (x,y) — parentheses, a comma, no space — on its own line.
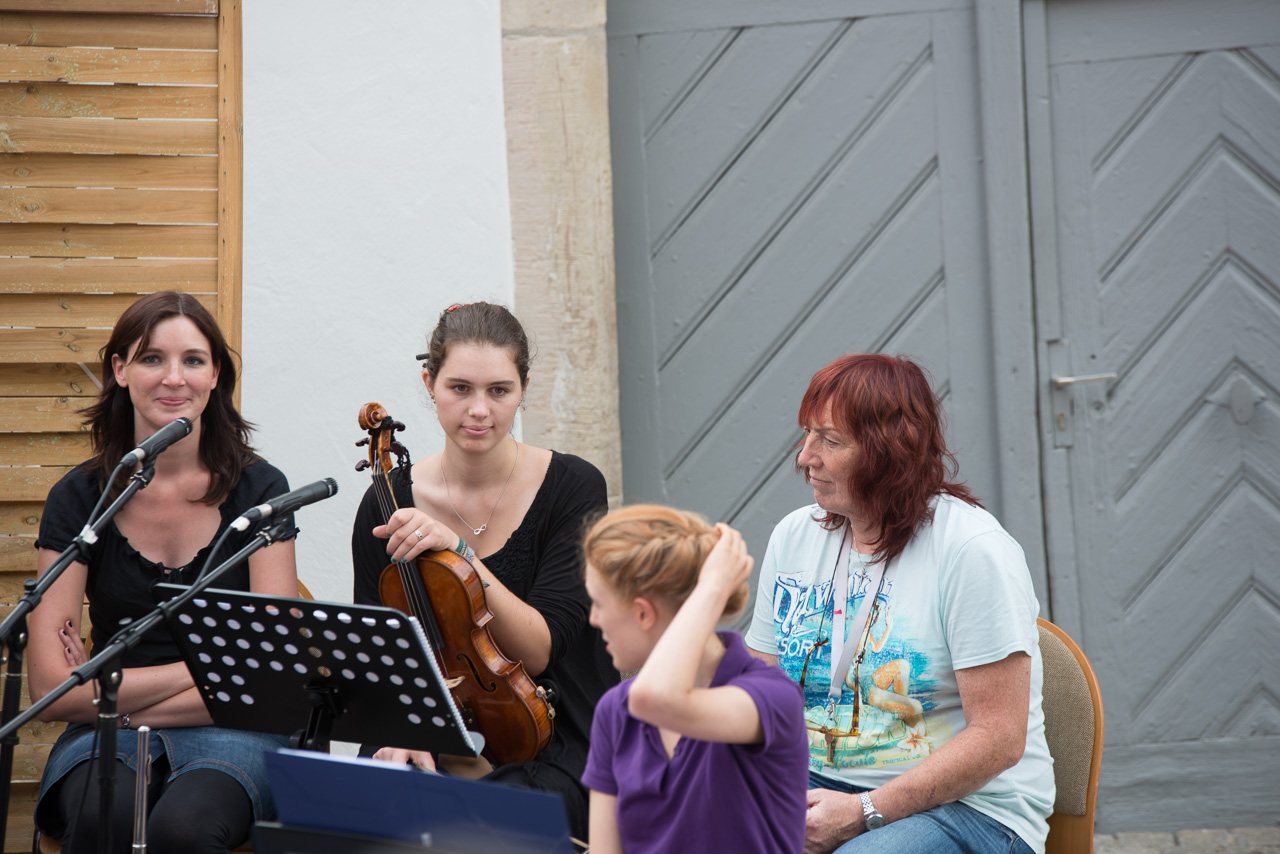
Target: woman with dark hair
(906,614)
(165,359)
(517,513)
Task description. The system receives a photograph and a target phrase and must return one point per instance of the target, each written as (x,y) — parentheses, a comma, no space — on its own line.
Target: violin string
(387,505)
(386,498)
(409,579)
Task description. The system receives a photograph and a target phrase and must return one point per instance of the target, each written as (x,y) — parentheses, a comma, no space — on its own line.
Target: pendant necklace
(449,498)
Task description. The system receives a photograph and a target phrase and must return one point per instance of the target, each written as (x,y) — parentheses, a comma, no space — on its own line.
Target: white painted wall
(375,186)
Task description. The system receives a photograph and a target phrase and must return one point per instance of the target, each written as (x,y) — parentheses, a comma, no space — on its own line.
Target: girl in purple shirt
(705,748)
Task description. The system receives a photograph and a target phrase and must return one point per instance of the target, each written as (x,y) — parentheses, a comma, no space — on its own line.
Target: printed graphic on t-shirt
(882,717)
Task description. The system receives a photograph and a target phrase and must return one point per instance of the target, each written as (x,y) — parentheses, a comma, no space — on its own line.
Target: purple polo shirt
(710,796)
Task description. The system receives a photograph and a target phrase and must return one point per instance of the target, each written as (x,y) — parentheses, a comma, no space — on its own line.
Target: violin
(495,694)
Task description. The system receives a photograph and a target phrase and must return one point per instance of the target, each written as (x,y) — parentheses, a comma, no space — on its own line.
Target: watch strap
(871,817)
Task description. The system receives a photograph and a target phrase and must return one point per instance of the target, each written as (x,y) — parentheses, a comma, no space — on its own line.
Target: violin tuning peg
(362,465)
(397,426)
(362,442)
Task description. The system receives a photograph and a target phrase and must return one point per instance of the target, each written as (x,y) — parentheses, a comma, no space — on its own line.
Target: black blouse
(120,579)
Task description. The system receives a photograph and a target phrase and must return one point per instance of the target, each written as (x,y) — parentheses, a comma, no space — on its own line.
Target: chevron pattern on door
(1168,182)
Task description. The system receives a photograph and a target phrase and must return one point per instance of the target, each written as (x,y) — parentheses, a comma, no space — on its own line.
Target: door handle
(1063,382)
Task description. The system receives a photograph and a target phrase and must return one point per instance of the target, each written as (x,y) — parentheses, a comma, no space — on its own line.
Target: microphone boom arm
(131,635)
(14,635)
(34,589)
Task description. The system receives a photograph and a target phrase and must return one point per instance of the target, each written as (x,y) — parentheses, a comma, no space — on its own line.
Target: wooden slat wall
(120,174)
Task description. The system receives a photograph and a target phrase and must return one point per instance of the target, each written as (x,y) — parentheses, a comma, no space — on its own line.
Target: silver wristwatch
(870,815)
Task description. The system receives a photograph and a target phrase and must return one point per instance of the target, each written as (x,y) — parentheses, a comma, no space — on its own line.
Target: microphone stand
(102,668)
(13,632)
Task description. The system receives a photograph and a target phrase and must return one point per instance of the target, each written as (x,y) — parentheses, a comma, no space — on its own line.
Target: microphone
(157,442)
(287,503)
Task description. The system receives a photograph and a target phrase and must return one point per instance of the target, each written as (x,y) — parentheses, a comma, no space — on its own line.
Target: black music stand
(357,673)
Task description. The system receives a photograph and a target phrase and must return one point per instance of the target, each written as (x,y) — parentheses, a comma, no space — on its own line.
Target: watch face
(871,816)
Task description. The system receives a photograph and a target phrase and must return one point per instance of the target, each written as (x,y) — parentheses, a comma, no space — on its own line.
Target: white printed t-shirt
(958,596)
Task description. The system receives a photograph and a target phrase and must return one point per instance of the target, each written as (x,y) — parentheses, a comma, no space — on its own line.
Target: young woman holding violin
(517,513)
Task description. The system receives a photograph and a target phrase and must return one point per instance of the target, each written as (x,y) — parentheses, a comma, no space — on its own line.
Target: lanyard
(841,653)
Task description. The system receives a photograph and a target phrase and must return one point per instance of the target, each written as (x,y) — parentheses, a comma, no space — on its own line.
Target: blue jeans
(230,751)
(953,828)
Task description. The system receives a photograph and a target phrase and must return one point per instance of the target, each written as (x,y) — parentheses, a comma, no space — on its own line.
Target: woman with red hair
(907,616)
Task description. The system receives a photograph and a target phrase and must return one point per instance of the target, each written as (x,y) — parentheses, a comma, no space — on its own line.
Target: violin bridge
(454,682)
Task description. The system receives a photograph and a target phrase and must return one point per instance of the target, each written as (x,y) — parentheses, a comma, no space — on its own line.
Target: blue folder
(349,794)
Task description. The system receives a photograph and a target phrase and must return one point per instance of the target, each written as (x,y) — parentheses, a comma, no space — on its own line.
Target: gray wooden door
(792,182)
(1155,162)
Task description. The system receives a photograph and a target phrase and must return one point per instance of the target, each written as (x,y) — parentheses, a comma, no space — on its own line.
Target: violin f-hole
(488,689)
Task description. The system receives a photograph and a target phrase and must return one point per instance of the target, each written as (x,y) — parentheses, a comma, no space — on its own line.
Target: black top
(542,564)
(120,579)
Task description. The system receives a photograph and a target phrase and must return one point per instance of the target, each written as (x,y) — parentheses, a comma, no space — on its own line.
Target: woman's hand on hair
(728,566)
(669,691)
(410,532)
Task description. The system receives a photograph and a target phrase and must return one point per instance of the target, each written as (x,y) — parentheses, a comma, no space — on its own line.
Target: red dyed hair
(887,405)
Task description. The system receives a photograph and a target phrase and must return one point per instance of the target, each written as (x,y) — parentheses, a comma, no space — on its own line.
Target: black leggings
(199,811)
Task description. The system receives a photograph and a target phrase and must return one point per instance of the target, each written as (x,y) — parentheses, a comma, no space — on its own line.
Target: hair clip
(457,305)
(421,357)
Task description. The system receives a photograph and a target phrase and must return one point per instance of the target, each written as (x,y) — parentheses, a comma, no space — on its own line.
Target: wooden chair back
(1073,727)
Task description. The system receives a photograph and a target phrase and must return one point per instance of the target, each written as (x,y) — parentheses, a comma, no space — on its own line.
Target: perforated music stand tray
(357,673)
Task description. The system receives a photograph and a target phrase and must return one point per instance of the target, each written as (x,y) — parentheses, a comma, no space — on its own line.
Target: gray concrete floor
(1240,840)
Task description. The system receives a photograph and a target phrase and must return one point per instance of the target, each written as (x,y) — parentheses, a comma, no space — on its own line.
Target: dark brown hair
(477,323)
(885,403)
(654,551)
(224,435)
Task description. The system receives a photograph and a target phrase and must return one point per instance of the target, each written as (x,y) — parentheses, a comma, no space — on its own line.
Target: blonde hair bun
(655,552)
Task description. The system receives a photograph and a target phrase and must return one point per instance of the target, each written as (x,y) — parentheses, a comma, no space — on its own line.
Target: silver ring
(421,536)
